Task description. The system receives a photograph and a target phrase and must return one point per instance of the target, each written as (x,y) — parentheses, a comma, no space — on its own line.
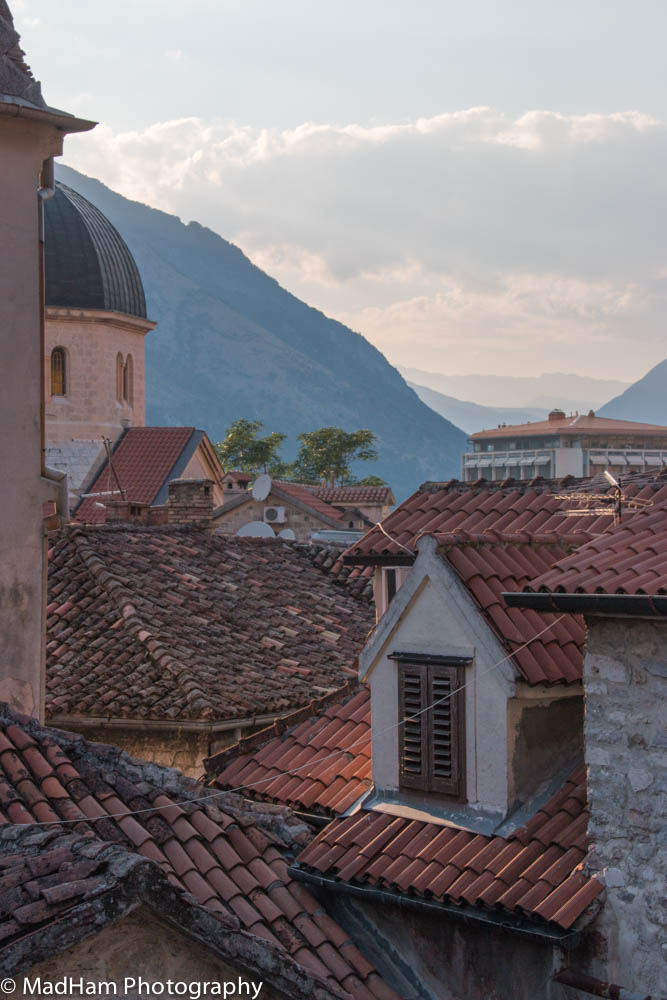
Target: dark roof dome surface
(87,262)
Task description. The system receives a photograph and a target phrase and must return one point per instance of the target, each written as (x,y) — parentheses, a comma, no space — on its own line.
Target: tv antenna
(604,504)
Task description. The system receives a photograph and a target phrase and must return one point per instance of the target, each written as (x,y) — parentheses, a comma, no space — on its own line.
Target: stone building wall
(302,524)
(139,946)
(92,341)
(625,675)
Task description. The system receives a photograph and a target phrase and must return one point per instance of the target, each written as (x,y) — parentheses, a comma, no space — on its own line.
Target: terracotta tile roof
(143,459)
(630,558)
(535,873)
(494,562)
(237,477)
(227,854)
(308,497)
(177,623)
(453,506)
(327,557)
(574,424)
(323,784)
(354,494)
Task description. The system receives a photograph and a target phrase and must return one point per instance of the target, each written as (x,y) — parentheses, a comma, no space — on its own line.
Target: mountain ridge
(254,350)
(645,400)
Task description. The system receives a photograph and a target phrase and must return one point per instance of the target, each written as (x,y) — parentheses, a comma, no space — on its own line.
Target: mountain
(568,392)
(232,343)
(645,400)
(472,417)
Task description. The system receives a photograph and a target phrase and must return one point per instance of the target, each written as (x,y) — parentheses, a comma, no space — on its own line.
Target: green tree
(328,453)
(367,481)
(242,449)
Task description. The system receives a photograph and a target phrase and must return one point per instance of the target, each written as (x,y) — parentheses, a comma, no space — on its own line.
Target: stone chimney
(190,501)
(625,682)
(126,510)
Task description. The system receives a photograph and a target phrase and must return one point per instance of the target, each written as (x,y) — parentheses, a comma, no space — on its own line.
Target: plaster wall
(433,614)
(140,945)
(569,462)
(25,145)
(199,468)
(625,679)
(92,341)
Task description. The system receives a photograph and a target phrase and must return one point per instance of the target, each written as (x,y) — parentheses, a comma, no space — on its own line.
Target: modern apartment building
(561,445)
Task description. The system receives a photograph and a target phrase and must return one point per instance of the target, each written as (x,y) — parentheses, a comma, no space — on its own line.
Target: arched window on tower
(128,380)
(58,372)
(119,377)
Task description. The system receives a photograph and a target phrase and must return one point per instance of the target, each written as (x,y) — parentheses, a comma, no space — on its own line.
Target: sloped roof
(354,494)
(144,460)
(227,854)
(310,498)
(628,558)
(493,562)
(454,506)
(535,873)
(16,79)
(176,623)
(574,424)
(327,746)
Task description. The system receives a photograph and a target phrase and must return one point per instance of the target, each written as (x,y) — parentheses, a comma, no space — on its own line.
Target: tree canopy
(242,449)
(328,453)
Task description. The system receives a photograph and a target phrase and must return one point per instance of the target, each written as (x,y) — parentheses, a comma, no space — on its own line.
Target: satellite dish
(287,534)
(610,479)
(261,487)
(255,529)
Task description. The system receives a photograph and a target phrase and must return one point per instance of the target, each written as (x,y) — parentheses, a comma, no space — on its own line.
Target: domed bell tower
(95,325)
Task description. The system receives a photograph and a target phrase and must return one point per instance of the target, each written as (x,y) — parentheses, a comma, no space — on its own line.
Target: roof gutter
(592,604)
(561,939)
(67,721)
(384,559)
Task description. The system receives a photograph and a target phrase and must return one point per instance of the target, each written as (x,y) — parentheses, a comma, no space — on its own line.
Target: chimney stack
(190,501)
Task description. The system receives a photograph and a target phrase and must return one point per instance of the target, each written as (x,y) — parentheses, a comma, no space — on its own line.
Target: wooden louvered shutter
(445,730)
(413,736)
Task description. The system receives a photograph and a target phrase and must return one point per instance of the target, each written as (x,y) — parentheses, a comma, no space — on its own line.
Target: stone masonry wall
(625,674)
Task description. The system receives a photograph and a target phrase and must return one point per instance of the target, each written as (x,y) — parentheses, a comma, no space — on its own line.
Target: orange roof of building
(577,423)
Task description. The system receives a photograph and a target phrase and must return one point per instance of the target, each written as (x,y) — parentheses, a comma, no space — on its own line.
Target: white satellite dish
(287,534)
(610,479)
(255,529)
(261,487)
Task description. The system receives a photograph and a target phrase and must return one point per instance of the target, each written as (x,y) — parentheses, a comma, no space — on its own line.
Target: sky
(476,187)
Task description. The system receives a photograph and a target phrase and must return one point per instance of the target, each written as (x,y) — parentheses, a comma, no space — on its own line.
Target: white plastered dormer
(433,618)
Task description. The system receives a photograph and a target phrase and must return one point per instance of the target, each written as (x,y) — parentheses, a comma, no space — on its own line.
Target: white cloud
(464,239)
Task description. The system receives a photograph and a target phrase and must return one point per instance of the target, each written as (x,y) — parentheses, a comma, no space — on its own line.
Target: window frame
(433,670)
(59,352)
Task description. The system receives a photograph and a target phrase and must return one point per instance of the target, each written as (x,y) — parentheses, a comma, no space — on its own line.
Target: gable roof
(354,494)
(144,459)
(454,506)
(317,760)
(225,853)
(493,562)
(176,623)
(292,493)
(624,567)
(574,424)
(535,873)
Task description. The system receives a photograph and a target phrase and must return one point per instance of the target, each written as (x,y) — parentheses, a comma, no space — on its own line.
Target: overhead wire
(294,771)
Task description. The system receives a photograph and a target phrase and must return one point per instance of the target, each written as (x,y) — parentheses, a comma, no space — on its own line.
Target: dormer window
(432,737)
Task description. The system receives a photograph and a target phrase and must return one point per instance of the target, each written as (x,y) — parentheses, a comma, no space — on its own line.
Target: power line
(293,771)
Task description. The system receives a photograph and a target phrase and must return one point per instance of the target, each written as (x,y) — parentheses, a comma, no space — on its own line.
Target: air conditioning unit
(274,515)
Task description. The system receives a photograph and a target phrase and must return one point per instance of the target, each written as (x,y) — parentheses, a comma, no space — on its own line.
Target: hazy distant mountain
(569,392)
(232,343)
(645,400)
(471,417)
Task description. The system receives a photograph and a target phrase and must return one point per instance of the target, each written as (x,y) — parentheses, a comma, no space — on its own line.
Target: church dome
(87,262)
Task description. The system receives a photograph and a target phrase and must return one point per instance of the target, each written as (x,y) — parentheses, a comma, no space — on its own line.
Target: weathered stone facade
(93,340)
(302,524)
(625,675)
